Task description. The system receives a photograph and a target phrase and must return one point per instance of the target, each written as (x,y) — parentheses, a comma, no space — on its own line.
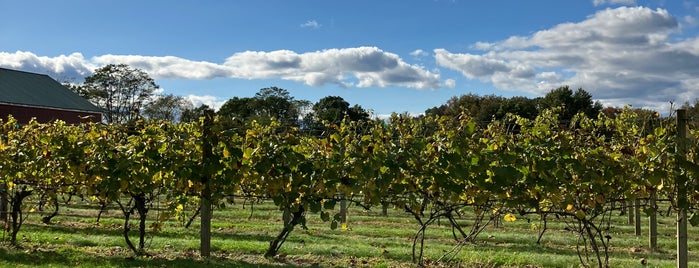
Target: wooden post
(680,184)
(343,214)
(653,224)
(207,153)
(637,211)
(629,208)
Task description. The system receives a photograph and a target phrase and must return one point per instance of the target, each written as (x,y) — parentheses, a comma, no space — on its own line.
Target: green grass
(239,240)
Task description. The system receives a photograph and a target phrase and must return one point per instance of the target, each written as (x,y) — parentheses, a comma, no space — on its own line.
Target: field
(241,234)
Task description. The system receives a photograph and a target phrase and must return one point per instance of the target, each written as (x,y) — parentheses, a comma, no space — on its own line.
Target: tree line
(126,93)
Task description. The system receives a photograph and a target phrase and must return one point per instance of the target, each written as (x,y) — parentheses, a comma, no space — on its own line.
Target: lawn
(241,234)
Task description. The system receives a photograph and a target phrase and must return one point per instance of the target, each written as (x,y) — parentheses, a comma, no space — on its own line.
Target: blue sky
(387,56)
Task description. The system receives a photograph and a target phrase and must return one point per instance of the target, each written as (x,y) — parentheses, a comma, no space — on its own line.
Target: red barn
(27,95)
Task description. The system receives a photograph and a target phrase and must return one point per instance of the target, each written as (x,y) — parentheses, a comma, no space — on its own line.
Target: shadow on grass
(72,258)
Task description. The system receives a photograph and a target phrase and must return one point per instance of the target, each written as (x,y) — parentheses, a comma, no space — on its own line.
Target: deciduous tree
(122,91)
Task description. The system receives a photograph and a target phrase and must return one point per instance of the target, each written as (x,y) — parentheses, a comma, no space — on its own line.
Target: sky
(387,56)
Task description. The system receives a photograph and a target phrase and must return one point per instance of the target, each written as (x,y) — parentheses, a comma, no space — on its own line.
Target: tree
(236,107)
(483,108)
(193,114)
(579,101)
(522,106)
(332,110)
(272,102)
(278,103)
(122,91)
(167,107)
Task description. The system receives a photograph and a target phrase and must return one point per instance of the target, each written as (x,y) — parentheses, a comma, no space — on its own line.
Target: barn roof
(39,90)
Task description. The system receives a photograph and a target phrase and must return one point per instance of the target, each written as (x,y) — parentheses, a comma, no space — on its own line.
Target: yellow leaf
(510,218)
(569,208)
(226,153)
(32,210)
(124,184)
(344,226)
(600,199)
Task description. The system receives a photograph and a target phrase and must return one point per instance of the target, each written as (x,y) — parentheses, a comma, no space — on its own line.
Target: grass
(240,236)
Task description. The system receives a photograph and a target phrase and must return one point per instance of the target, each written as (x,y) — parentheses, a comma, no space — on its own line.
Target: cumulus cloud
(370,66)
(419,53)
(62,68)
(450,83)
(211,101)
(167,66)
(311,24)
(622,56)
(348,67)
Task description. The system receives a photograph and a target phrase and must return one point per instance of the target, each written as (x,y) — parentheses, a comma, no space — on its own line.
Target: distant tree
(272,102)
(277,103)
(357,113)
(571,102)
(167,107)
(120,90)
(522,106)
(193,114)
(236,107)
(482,108)
(333,109)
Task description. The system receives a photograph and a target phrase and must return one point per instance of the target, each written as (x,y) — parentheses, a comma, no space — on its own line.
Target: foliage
(167,107)
(122,91)
(331,110)
(433,167)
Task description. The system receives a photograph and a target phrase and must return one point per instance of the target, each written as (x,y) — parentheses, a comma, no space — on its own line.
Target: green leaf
(694,219)
(315,207)
(649,211)
(329,204)
(333,225)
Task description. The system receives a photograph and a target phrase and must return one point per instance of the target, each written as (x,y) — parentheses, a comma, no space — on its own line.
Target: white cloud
(211,101)
(167,66)
(450,83)
(419,53)
(371,66)
(311,24)
(613,2)
(61,68)
(621,55)
(360,67)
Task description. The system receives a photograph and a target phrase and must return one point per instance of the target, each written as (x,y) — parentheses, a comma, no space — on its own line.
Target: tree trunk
(127,215)
(47,219)
(3,203)
(277,243)
(142,209)
(16,213)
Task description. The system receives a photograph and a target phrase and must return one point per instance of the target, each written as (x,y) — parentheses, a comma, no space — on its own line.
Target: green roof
(39,90)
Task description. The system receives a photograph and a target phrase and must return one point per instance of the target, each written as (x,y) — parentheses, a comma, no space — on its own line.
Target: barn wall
(43,115)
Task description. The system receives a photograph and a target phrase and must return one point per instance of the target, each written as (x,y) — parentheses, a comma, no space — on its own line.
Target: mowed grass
(240,235)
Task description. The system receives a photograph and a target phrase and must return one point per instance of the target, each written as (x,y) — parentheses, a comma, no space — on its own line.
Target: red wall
(23,114)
